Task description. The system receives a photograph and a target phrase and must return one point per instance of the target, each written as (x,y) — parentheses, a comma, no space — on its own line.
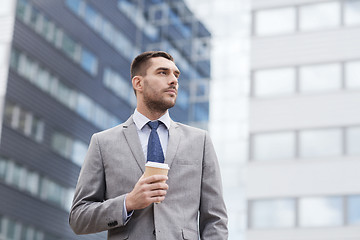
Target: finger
(157,185)
(157,193)
(157,199)
(155,178)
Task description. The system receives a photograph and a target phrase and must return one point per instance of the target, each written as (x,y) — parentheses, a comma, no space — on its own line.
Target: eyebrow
(168,69)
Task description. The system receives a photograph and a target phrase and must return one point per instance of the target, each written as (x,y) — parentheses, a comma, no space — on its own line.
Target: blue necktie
(154,150)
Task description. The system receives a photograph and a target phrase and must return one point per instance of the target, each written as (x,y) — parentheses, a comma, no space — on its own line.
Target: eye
(162,72)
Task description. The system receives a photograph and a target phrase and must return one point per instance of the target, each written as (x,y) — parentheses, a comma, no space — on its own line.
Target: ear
(137,83)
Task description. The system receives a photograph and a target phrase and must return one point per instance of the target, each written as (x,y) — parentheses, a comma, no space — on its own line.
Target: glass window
(61,144)
(43,80)
(12,229)
(14,61)
(16,117)
(22,121)
(59,33)
(63,94)
(319,16)
(32,183)
(201,48)
(317,78)
(15,175)
(151,31)
(105,28)
(109,34)
(48,30)
(28,124)
(34,18)
(157,10)
(79,152)
(321,143)
(352,73)
(37,129)
(90,16)
(275,21)
(273,146)
(21,9)
(69,46)
(100,115)
(23,67)
(201,111)
(320,211)
(183,99)
(27,233)
(272,213)
(184,29)
(3,170)
(353,141)
(89,62)
(9,111)
(33,71)
(352,12)
(51,191)
(74,5)
(116,83)
(201,89)
(84,106)
(72,101)
(353,213)
(274,82)
(40,236)
(180,60)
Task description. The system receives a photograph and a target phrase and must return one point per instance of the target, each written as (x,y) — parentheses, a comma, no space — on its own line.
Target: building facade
(65,75)
(304,123)
(229,23)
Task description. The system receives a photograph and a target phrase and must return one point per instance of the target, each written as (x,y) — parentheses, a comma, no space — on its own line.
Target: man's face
(160,84)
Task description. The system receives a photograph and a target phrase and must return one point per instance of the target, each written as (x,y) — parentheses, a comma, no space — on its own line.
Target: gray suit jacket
(193,205)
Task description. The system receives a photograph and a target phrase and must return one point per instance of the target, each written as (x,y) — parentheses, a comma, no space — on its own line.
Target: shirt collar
(140,120)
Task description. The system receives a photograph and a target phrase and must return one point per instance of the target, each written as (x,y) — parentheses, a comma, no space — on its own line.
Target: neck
(150,114)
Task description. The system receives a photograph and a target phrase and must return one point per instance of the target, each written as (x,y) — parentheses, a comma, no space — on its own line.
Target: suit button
(113,224)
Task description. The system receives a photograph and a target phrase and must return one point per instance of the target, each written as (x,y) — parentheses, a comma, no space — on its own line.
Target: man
(112,193)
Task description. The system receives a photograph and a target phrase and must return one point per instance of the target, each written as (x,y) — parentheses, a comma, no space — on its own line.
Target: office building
(64,75)
(304,123)
(229,24)
(297,177)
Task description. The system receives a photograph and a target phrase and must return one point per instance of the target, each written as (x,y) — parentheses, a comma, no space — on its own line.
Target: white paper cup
(155,168)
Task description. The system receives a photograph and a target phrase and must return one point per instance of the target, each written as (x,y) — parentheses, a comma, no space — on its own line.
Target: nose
(173,80)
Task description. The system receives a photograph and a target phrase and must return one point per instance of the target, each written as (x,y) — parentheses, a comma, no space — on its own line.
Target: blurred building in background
(230,27)
(284,114)
(64,74)
(289,148)
(303,178)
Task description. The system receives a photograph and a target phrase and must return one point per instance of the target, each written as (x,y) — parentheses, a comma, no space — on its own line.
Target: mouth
(172,91)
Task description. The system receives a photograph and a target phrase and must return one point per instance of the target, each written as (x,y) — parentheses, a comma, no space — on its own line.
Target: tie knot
(154,125)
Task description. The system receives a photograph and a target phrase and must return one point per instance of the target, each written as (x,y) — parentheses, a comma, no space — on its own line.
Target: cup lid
(156,165)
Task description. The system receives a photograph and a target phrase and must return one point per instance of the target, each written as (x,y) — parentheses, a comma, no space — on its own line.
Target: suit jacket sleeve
(90,212)
(213,216)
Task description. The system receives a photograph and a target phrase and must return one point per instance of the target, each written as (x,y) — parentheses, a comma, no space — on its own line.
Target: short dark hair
(139,64)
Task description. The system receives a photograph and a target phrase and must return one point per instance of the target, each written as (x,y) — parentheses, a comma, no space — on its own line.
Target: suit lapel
(173,144)
(132,138)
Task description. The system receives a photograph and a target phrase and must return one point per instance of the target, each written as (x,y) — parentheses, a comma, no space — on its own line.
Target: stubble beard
(156,103)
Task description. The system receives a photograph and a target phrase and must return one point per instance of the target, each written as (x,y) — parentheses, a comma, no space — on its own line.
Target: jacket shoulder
(190,129)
